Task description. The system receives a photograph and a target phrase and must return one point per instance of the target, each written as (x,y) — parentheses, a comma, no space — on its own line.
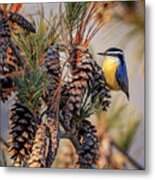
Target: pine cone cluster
(34,137)
(81,81)
(42,143)
(45,143)
(87,77)
(32,142)
(8,61)
(88,153)
(35,142)
(47,137)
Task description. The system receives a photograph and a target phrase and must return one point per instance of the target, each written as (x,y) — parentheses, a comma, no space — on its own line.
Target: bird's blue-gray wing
(122,79)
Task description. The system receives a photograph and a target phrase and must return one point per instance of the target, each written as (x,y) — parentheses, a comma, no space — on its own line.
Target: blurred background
(124,121)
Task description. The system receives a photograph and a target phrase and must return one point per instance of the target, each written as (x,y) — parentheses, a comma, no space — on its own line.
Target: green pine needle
(73,14)
(31,86)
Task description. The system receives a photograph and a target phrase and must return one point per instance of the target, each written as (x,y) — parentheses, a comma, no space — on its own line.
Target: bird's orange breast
(109,68)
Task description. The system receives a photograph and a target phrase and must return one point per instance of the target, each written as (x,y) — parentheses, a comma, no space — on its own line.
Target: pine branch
(73,139)
(76,144)
(127,156)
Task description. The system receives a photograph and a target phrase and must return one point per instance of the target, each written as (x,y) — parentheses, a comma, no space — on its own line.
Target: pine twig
(129,158)
(73,139)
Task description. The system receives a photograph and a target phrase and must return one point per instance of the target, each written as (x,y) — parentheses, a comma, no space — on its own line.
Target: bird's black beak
(101,53)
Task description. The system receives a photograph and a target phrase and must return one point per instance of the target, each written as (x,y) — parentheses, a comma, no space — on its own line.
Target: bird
(115,70)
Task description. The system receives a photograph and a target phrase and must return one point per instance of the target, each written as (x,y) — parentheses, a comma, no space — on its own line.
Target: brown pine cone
(21,133)
(88,153)
(21,21)
(38,155)
(53,134)
(52,64)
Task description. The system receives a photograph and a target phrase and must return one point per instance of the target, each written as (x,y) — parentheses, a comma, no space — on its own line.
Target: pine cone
(38,155)
(21,21)
(53,132)
(6,87)
(8,66)
(4,29)
(52,64)
(4,40)
(88,153)
(22,132)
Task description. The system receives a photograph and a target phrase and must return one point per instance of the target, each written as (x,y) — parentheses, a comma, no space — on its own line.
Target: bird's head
(113,53)
(114,69)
